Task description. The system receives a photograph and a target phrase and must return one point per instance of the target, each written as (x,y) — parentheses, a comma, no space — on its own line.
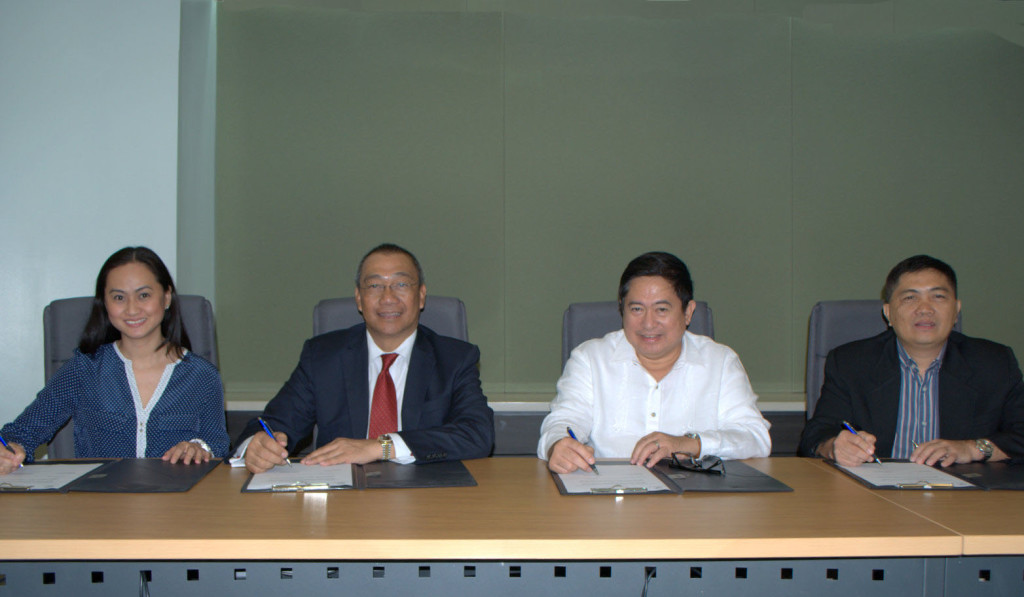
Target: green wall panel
(788,151)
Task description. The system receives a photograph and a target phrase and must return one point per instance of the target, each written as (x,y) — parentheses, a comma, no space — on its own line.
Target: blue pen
(6,445)
(568,430)
(271,434)
(853,431)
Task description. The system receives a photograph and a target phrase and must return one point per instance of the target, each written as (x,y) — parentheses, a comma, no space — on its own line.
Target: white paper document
(300,477)
(613,478)
(45,477)
(905,475)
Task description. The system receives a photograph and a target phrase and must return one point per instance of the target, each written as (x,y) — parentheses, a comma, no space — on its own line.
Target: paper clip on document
(617,489)
(10,487)
(307,487)
(923,485)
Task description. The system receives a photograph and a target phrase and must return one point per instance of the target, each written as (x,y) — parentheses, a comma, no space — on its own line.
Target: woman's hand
(187,453)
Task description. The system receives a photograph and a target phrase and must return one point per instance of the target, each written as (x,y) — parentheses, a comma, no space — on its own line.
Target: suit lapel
(883,395)
(357,391)
(416,381)
(957,398)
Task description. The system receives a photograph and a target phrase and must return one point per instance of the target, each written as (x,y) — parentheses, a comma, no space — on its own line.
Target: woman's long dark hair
(99,331)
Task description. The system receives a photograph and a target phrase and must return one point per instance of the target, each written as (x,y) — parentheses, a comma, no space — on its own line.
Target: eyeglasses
(710,464)
(397,288)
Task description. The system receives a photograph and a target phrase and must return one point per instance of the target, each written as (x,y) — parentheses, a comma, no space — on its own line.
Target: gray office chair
(834,323)
(444,314)
(63,323)
(583,321)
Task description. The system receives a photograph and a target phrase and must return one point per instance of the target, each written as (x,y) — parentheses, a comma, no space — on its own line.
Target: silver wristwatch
(700,445)
(985,447)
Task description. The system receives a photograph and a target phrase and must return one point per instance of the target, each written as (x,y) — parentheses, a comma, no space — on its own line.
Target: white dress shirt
(611,401)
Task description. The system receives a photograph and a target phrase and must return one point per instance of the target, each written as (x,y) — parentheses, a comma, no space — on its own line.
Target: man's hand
(568,455)
(345,450)
(849,449)
(9,461)
(652,447)
(945,451)
(265,452)
(187,453)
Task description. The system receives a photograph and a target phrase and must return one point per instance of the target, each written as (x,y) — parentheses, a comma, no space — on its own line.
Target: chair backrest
(65,319)
(445,315)
(834,323)
(583,321)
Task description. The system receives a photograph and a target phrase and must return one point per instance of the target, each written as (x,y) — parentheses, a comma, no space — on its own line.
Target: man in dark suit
(349,383)
(919,390)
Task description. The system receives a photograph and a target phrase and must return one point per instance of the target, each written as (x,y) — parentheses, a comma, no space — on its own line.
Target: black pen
(271,434)
(853,431)
(593,467)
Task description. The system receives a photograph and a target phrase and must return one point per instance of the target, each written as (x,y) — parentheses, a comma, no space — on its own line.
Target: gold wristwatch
(985,447)
(387,444)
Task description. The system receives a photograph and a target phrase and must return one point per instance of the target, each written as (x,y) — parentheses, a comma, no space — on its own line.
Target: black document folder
(738,478)
(991,475)
(377,475)
(388,475)
(143,475)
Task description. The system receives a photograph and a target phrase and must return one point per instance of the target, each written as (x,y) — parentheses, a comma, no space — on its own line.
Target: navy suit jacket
(444,412)
(980,394)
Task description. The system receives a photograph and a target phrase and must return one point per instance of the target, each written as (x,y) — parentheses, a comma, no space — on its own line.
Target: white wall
(88,157)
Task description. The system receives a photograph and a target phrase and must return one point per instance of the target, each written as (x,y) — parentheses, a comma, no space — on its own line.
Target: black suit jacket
(444,412)
(980,394)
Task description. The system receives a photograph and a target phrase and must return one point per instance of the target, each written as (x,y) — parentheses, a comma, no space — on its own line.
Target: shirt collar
(404,349)
(624,351)
(909,364)
(124,359)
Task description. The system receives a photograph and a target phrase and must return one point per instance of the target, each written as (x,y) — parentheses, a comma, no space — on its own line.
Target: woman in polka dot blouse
(133,387)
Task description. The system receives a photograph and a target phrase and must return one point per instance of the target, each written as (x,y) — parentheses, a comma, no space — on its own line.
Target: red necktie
(384,410)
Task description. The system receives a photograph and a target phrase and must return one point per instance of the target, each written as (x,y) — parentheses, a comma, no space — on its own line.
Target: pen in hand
(853,431)
(271,434)
(6,445)
(593,467)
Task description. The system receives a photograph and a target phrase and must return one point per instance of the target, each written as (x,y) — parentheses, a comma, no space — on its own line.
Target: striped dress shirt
(918,419)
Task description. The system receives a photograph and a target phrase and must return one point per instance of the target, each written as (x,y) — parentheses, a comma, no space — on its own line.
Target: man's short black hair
(658,263)
(388,249)
(915,264)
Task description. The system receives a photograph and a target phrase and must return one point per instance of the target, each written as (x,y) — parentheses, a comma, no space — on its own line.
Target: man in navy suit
(919,390)
(443,412)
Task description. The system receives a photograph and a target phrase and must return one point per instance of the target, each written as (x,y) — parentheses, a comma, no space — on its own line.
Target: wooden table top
(991,522)
(515,512)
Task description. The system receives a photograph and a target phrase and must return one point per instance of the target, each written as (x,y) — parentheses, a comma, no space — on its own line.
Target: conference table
(515,534)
